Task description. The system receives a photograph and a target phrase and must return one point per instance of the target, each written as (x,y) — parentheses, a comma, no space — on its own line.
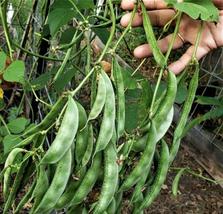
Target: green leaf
(15,72)
(3,58)
(196,9)
(9,142)
(86,4)
(18,125)
(67,35)
(65,78)
(61,12)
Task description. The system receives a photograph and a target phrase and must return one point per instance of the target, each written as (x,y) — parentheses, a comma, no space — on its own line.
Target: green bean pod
(88,181)
(112,207)
(65,135)
(82,116)
(110,179)
(119,83)
(81,144)
(176,181)
(7,175)
(140,144)
(40,188)
(164,113)
(71,188)
(108,121)
(58,184)
(160,178)
(49,119)
(99,100)
(185,113)
(15,186)
(144,162)
(136,195)
(25,198)
(88,153)
(158,56)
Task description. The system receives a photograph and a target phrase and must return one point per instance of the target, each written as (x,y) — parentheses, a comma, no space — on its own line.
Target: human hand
(160,14)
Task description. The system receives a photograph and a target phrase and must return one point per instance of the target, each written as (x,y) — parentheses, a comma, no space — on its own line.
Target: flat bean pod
(71,188)
(110,179)
(81,144)
(159,57)
(15,186)
(119,83)
(144,162)
(185,113)
(99,100)
(40,188)
(164,113)
(50,117)
(65,135)
(108,121)
(160,178)
(88,153)
(58,184)
(25,198)
(88,181)
(7,175)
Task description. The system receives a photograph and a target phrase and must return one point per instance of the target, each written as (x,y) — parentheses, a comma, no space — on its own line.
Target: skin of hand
(160,14)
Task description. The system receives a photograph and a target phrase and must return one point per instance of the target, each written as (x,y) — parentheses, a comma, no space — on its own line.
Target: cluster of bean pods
(87,168)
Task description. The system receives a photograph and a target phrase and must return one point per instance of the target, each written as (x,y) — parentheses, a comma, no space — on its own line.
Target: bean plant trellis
(67,132)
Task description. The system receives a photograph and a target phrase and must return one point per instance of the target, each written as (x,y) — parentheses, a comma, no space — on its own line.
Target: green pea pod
(25,198)
(159,57)
(99,100)
(108,121)
(49,119)
(40,188)
(144,162)
(81,144)
(88,181)
(176,181)
(119,84)
(15,186)
(58,184)
(7,175)
(65,135)
(185,113)
(110,179)
(88,153)
(160,178)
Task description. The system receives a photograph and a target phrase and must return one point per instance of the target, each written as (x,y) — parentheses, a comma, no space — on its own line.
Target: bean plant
(78,129)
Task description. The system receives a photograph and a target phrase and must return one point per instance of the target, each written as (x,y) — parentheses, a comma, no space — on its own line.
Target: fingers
(158,18)
(150,4)
(184,60)
(145,50)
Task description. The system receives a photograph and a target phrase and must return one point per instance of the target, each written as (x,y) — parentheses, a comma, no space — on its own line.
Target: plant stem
(112,32)
(4,123)
(126,29)
(67,56)
(5,28)
(83,82)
